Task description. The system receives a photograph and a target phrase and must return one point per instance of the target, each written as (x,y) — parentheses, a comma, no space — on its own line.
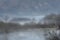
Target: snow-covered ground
(29,34)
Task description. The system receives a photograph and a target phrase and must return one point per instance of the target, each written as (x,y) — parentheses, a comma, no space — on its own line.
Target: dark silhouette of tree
(53,19)
(53,36)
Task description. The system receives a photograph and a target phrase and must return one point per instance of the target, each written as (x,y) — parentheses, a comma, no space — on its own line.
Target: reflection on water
(29,34)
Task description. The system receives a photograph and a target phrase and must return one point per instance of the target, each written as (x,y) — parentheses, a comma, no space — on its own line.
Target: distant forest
(50,21)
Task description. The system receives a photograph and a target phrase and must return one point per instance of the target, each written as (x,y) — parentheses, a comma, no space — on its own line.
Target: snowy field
(28,34)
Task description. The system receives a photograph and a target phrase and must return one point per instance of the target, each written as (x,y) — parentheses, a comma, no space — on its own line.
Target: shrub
(53,36)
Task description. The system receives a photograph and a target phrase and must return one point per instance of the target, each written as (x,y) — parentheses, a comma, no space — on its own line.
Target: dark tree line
(53,19)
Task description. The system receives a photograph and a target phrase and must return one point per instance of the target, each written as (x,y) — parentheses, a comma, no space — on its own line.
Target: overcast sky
(29,8)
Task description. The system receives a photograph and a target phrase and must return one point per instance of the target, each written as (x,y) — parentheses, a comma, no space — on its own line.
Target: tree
(53,19)
(53,36)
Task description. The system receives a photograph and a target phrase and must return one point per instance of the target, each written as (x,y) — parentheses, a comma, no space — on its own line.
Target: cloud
(26,7)
(40,4)
(20,8)
(45,3)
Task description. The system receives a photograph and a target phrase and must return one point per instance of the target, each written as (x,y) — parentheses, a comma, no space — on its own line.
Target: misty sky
(29,8)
